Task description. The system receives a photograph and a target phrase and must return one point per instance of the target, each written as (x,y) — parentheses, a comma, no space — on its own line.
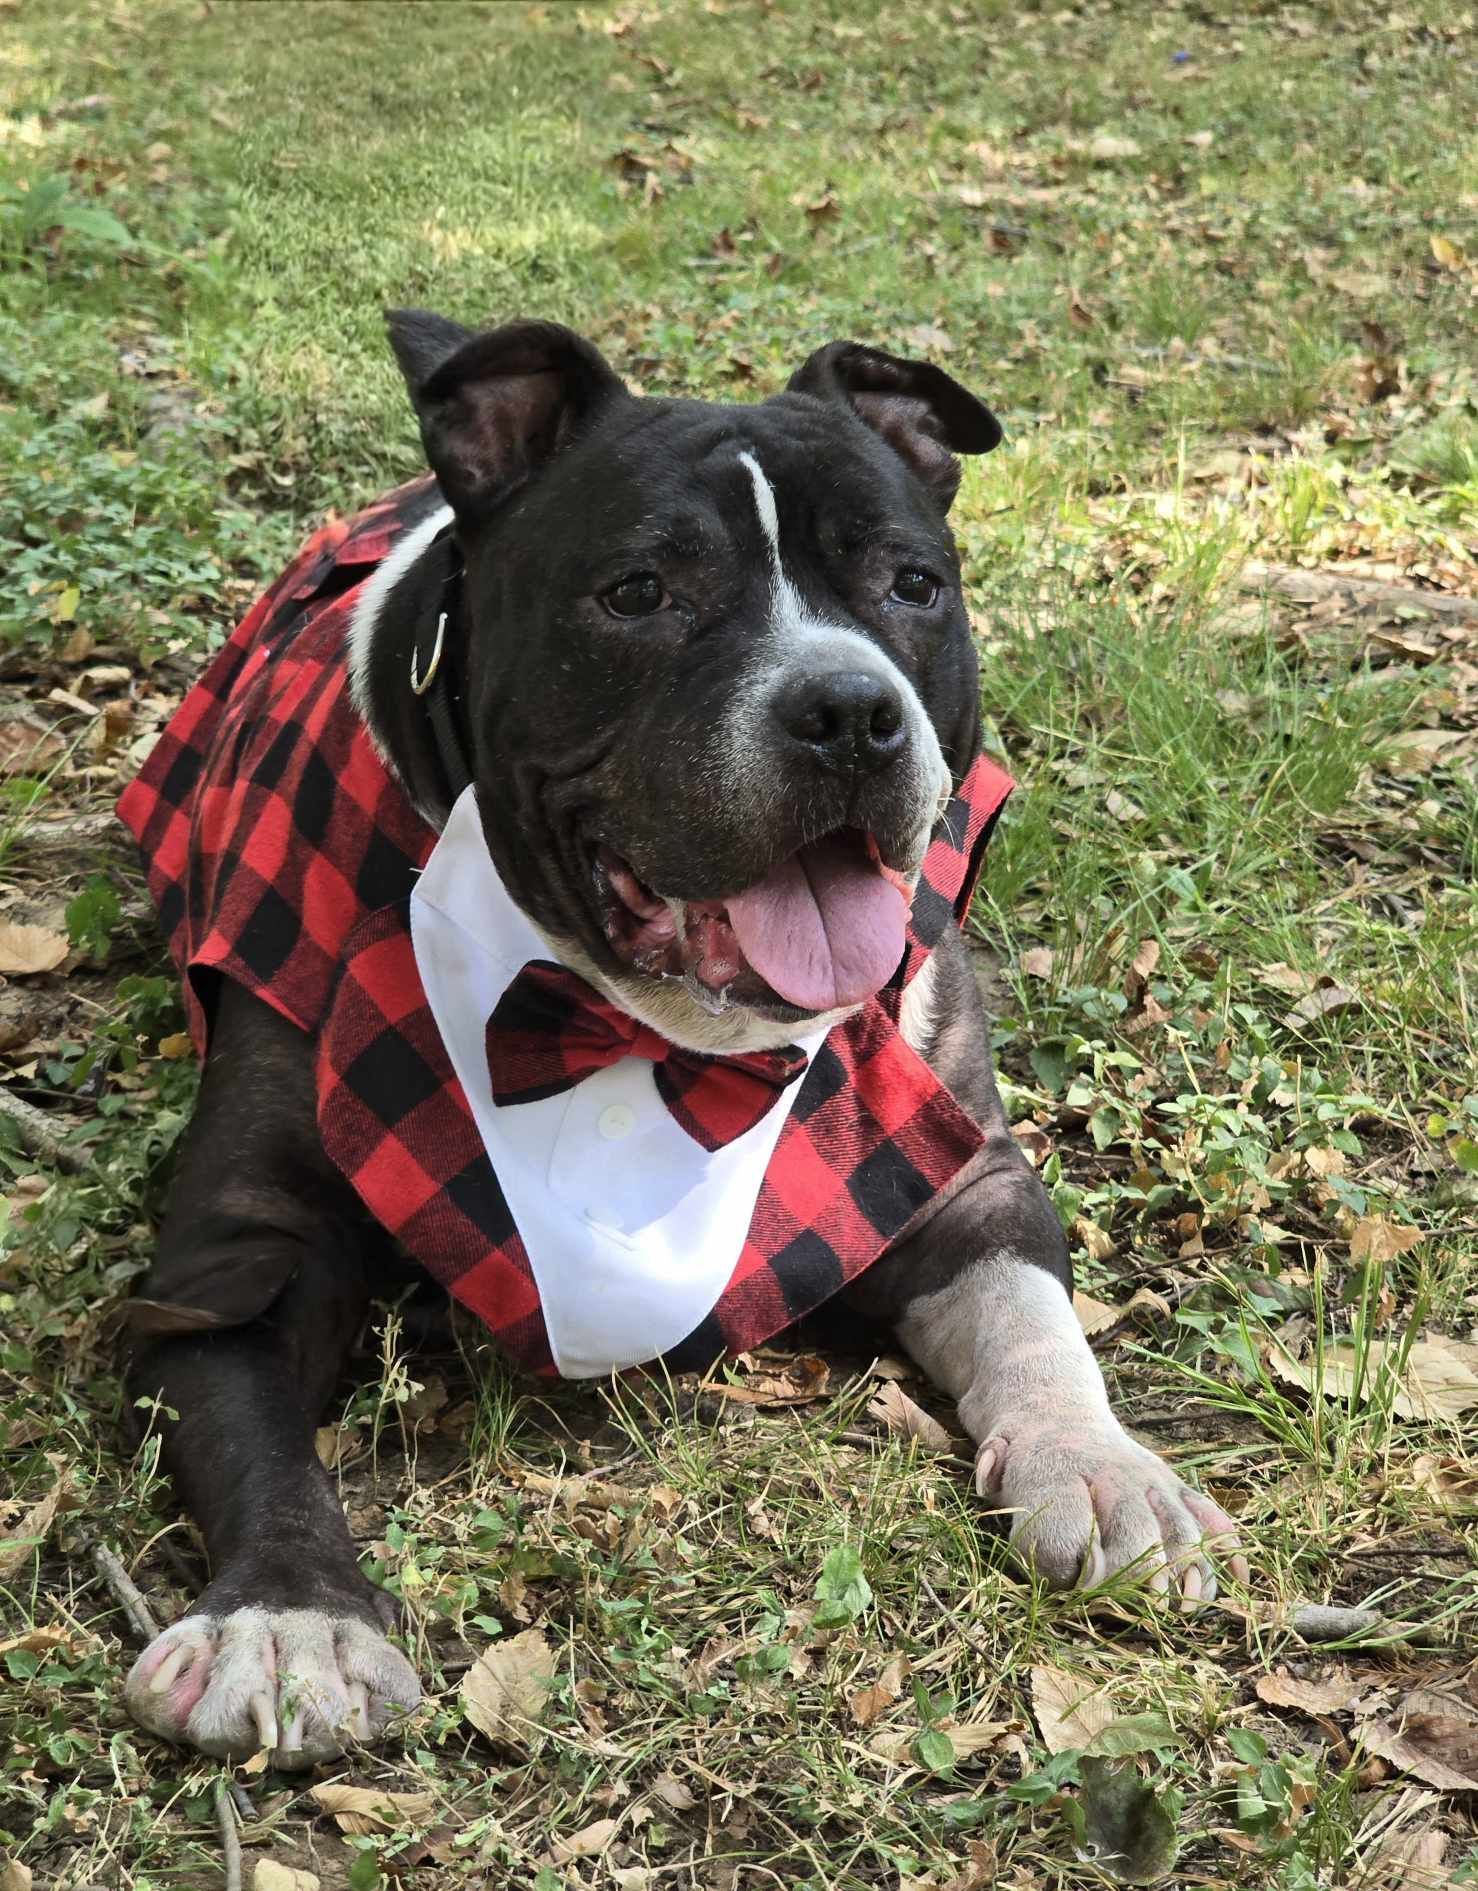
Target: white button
(615,1121)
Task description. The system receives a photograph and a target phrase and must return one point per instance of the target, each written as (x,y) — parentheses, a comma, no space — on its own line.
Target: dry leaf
(1412,1861)
(869,1702)
(1098,1243)
(1287,978)
(1445,253)
(1450,1482)
(1440,1379)
(974,1736)
(26,747)
(1377,1240)
(14,1876)
(1434,1737)
(1036,962)
(28,1535)
(1096,1316)
(1068,1707)
(268,1875)
(673,1793)
(586,1843)
(360,1810)
(1333,1693)
(503,1692)
(25,950)
(1106,147)
(1319,1004)
(894,1408)
(803,1380)
(36,1641)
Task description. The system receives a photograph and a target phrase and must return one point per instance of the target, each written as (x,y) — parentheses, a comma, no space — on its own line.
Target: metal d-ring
(420,684)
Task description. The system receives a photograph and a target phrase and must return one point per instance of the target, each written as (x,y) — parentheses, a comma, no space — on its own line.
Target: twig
(1364,594)
(89,829)
(230,1838)
(37,1136)
(126,1593)
(243,1800)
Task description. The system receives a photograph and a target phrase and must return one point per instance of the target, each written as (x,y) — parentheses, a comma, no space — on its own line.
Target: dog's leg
(981,1296)
(286,1649)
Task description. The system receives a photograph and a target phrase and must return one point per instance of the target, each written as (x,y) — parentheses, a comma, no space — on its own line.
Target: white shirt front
(632,1228)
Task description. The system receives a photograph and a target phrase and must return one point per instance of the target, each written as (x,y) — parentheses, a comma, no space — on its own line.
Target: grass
(1214,270)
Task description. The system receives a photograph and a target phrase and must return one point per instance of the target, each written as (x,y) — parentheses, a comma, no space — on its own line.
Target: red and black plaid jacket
(281,852)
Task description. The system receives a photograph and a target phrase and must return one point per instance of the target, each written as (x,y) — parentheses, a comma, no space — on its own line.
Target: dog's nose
(848,719)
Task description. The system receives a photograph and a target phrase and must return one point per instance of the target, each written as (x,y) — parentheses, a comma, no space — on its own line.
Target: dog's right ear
(494,408)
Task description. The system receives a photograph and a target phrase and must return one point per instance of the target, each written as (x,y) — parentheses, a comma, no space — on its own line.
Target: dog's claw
(296,1684)
(1090,1504)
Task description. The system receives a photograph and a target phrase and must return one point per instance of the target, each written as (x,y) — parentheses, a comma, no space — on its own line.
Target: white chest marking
(632,1229)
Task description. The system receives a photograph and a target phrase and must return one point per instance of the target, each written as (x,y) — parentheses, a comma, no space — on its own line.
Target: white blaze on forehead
(764,505)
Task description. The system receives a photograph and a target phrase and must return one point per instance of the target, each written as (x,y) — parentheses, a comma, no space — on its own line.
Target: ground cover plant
(1218,271)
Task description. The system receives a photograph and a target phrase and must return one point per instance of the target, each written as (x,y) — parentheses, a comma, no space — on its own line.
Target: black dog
(565,860)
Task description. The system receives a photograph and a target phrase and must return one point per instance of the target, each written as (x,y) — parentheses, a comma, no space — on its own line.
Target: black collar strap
(437,654)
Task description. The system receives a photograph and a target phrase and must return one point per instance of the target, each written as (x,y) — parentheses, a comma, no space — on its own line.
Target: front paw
(299,1684)
(1089,1503)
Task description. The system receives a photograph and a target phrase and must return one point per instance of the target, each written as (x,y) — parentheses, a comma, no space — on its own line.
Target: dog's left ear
(922,412)
(495,407)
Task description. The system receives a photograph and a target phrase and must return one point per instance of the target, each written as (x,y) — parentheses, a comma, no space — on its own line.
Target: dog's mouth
(824,929)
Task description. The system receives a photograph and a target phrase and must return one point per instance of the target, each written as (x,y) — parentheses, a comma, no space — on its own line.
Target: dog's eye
(637,596)
(913,586)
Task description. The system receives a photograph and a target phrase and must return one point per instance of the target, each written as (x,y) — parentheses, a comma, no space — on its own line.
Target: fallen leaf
(673,1793)
(588,1842)
(1333,1693)
(176,1045)
(268,1875)
(14,1876)
(1122,1824)
(894,1408)
(1450,1482)
(360,1810)
(503,1692)
(1439,1380)
(803,1379)
(1445,253)
(25,950)
(1098,1243)
(1095,1316)
(929,339)
(1036,962)
(26,747)
(867,1703)
(1412,1861)
(1416,751)
(1319,1004)
(1069,1710)
(28,1535)
(1434,1737)
(973,1736)
(1105,147)
(1287,978)
(1377,1240)
(36,1641)
(1121,807)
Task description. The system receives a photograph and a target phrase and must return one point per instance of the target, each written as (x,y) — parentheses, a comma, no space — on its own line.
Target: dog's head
(718,674)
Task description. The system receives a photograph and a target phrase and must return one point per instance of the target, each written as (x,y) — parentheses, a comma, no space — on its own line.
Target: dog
(567,862)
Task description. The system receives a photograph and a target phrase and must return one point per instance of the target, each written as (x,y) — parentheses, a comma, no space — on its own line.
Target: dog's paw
(301,1685)
(1089,1503)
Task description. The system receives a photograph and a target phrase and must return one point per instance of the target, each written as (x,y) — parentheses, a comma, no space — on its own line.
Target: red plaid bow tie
(550,1030)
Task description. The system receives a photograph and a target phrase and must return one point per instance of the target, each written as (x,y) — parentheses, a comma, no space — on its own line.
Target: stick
(91,829)
(37,1136)
(126,1593)
(1365,594)
(230,1840)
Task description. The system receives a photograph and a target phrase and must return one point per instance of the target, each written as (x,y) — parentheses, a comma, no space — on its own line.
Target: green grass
(1216,271)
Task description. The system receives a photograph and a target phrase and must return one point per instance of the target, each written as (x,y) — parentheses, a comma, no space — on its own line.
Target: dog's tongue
(824,928)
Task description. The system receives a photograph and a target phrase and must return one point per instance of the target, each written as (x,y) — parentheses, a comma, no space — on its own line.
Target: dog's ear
(922,412)
(495,407)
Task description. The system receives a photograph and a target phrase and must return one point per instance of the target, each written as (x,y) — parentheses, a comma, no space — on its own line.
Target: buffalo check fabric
(550,1029)
(281,852)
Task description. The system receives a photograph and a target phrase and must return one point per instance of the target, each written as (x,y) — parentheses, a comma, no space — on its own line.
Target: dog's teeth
(265,1720)
(169,1670)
